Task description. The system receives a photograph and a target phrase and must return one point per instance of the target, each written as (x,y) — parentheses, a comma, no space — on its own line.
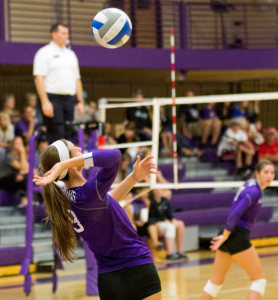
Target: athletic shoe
(172,257)
(182,256)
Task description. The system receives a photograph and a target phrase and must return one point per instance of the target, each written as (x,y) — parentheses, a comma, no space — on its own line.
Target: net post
(102,119)
(173,77)
(155,137)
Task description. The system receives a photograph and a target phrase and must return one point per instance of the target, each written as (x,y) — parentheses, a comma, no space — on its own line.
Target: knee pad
(170,230)
(212,289)
(258,286)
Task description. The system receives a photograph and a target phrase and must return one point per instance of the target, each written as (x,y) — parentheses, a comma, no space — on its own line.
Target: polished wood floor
(179,281)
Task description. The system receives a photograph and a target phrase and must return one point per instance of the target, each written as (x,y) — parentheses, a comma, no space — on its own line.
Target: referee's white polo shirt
(60,69)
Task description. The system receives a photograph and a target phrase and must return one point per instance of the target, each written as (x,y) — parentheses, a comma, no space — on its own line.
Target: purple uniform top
(102,222)
(208,114)
(246,207)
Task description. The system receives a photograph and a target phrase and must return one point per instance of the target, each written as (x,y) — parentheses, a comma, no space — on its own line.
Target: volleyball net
(266,102)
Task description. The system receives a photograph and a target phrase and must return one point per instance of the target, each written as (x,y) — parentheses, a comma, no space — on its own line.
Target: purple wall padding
(215,216)
(149,58)
(202,201)
(264,229)
(12,255)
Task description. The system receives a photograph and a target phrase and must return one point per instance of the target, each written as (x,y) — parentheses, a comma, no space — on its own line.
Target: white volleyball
(111,28)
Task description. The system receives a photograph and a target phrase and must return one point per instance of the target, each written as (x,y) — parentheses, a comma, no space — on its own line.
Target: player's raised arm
(141,170)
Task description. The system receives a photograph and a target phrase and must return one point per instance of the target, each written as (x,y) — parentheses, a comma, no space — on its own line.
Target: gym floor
(179,280)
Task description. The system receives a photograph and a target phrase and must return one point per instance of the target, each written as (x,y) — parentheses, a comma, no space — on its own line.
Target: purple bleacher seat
(168,173)
(12,255)
(215,216)
(193,191)
(8,198)
(264,229)
(210,155)
(202,201)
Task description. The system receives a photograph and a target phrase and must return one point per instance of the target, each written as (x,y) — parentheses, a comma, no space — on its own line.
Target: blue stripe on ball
(126,30)
(97,24)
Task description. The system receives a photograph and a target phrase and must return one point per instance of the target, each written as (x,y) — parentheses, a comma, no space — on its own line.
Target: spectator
(233,144)
(9,108)
(14,170)
(269,149)
(25,127)
(242,111)
(225,114)
(141,117)
(210,123)
(58,84)
(161,223)
(32,100)
(123,170)
(140,207)
(166,132)
(90,113)
(42,144)
(6,134)
(130,136)
(109,140)
(189,119)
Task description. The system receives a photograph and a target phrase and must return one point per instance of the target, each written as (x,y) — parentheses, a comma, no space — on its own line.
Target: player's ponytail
(57,206)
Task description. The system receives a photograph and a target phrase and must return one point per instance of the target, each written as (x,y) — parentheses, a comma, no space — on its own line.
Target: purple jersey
(101,221)
(246,207)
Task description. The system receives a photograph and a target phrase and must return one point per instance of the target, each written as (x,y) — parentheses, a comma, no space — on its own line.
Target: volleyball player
(125,265)
(234,244)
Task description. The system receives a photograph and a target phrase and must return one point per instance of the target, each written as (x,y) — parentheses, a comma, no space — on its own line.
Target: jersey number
(76,221)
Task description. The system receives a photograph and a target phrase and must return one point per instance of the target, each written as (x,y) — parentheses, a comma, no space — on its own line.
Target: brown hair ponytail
(58,209)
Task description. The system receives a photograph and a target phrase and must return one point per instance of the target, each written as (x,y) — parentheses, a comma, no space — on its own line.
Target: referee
(57,79)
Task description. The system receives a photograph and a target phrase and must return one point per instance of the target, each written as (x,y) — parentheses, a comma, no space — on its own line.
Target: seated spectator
(141,117)
(166,132)
(14,170)
(269,149)
(32,101)
(233,144)
(189,119)
(243,111)
(6,134)
(161,223)
(109,140)
(140,207)
(254,136)
(42,144)
(123,170)
(25,127)
(90,114)
(130,136)
(9,108)
(225,115)
(210,124)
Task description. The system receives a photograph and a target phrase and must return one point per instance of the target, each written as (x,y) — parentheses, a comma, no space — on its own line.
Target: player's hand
(80,108)
(144,168)
(216,242)
(49,176)
(48,110)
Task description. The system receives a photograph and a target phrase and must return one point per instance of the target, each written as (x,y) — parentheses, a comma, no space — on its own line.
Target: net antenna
(173,76)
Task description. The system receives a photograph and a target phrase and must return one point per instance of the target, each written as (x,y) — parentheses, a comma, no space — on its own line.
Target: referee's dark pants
(63,106)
